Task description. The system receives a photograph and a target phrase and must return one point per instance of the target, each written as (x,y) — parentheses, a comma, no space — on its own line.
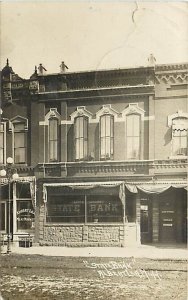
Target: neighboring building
(101,155)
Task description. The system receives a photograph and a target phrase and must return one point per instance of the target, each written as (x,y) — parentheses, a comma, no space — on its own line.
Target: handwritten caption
(122,269)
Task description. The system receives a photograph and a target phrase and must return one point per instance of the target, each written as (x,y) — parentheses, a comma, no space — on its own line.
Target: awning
(154,188)
(87,186)
(149,187)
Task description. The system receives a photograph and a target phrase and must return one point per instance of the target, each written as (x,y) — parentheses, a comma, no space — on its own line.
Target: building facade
(101,156)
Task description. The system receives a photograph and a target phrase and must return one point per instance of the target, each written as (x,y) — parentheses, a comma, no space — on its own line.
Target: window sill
(178,157)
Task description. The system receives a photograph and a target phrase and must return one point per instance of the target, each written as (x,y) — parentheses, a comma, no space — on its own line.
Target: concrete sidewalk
(143,251)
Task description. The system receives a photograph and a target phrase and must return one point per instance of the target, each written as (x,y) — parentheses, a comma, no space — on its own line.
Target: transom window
(81,137)
(106,137)
(133,136)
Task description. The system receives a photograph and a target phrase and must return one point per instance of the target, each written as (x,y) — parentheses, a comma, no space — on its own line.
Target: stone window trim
(18,119)
(79,112)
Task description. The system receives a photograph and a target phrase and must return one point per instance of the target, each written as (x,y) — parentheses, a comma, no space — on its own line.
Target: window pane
(19,139)
(129,125)
(108,125)
(1,139)
(53,123)
(53,150)
(25,215)
(176,144)
(136,125)
(19,155)
(129,147)
(106,136)
(19,126)
(102,126)
(1,156)
(65,208)
(104,208)
(81,137)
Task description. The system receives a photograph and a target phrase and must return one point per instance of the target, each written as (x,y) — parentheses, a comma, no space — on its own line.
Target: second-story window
(133,136)
(81,138)
(53,139)
(2,143)
(20,143)
(179,136)
(106,137)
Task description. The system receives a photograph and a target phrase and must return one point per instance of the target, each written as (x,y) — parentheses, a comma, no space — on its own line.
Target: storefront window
(63,209)
(25,215)
(104,208)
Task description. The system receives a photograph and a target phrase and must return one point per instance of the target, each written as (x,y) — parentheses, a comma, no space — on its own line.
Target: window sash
(133,136)
(19,144)
(53,140)
(179,142)
(81,138)
(106,137)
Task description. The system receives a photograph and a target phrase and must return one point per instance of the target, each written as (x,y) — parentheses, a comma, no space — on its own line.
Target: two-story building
(101,155)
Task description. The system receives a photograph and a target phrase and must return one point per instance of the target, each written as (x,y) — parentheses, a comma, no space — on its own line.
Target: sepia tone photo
(93,150)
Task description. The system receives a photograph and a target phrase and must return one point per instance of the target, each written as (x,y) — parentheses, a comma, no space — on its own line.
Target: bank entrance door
(167,221)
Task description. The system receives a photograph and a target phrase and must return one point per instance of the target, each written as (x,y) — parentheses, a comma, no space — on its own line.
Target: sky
(92,35)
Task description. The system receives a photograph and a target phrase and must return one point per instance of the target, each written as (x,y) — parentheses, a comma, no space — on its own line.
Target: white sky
(92,35)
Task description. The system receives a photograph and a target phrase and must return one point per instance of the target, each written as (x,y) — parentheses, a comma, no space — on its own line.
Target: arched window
(133,136)
(81,137)
(179,136)
(106,137)
(53,139)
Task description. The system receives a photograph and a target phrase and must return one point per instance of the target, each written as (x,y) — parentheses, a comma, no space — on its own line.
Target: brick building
(101,155)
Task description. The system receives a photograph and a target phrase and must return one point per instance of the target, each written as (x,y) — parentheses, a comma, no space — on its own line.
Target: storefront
(112,214)
(22,208)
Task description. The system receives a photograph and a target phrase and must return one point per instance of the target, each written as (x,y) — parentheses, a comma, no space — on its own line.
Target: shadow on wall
(70,143)
(168,136)
(97,143)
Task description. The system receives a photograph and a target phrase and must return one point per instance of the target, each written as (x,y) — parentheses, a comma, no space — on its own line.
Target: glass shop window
(104,208)
(144,216)
(2,216)
(25,215)
(130,209)
(23,190)
(65,209)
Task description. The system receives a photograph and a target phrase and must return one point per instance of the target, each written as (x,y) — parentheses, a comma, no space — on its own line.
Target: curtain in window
(81,137)
(106,137)
(179,136)
(53,140)
(2,143)
(133,136)
(19,143)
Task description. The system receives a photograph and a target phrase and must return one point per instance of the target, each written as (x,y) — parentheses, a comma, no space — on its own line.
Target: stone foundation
(75,235)
(89,235)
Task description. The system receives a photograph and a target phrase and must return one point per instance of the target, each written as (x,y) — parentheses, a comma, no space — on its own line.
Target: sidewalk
(143,251)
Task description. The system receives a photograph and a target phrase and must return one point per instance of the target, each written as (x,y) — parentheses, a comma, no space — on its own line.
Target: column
(155,219)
